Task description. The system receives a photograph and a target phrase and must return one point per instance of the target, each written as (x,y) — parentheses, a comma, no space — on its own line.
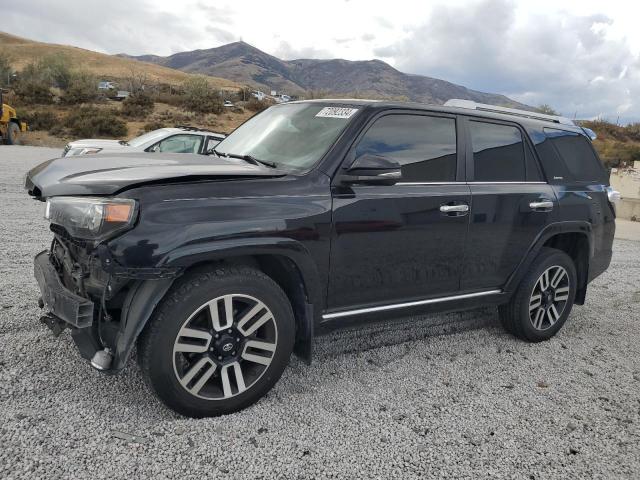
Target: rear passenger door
(511,202)
(404,241)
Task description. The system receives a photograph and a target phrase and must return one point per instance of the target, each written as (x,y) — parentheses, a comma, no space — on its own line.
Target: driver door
(396,243)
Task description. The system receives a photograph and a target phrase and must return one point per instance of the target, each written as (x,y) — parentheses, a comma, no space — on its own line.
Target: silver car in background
(170,140)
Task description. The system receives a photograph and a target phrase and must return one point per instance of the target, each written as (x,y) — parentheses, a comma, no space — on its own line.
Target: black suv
(310,216)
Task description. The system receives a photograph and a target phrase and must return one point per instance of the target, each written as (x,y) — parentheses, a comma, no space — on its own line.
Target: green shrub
(57,69)
(139,105)
(200,97)
(34,86)
(94,122)
(81,89)
(40,119)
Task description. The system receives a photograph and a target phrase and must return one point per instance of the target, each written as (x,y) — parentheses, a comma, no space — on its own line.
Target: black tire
(521,313)
(157,357)
(14,136)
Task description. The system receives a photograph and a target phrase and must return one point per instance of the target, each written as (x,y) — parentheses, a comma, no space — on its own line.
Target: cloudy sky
(582,57)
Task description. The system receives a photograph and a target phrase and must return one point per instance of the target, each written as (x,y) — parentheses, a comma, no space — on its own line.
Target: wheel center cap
(547,298)
(226,345)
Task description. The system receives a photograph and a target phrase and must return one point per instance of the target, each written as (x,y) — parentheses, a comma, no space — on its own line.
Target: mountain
(243,63)
(23,51)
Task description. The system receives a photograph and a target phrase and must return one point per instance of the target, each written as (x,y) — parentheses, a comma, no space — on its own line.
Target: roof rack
(470,104)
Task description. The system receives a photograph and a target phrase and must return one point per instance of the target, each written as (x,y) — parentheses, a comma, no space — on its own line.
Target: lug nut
(238,339)
(216,336)
(229,331)
(233,353)
(219,358)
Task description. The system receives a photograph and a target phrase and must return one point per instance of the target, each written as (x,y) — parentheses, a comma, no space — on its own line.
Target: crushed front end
(85,290)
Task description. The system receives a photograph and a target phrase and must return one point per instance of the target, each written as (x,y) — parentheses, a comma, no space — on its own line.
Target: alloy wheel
(549,297)
(224,347)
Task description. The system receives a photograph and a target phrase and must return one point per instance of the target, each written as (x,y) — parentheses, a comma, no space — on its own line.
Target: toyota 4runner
(314,215)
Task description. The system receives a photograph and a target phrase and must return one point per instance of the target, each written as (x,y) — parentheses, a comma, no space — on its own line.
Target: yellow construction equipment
(11,127)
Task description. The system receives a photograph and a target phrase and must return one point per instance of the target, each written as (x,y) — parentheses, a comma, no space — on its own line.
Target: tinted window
(498,153)
(577,154)
(424,146)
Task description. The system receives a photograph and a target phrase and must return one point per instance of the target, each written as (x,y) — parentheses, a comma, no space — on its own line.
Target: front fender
(189,255)
(145,295)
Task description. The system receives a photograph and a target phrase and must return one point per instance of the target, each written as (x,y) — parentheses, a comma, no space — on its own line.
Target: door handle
(454,208)
(541,205)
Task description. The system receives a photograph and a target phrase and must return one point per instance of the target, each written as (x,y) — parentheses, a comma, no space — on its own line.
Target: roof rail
(190,128)
(470,104)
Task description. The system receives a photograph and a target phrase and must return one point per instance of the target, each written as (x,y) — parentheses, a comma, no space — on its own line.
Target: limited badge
(336,112)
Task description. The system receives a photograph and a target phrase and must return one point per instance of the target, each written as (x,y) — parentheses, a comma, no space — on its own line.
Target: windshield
(293,136)
(147,137)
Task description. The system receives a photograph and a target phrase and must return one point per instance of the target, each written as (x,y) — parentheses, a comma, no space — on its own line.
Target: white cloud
(565,60)
(576,55)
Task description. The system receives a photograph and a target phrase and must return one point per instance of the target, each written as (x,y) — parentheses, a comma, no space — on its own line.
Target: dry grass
(44,139)
(24,51)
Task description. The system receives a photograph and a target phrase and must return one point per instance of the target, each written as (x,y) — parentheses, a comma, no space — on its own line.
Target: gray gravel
(450,396)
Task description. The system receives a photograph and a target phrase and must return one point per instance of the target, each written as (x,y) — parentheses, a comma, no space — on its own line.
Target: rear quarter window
(577,155)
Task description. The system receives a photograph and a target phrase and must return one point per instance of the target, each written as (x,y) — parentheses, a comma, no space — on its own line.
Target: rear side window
(424,146)
(577,155)
(498,153)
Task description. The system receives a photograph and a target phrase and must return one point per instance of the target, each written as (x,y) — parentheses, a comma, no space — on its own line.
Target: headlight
(91,218)
(81,151)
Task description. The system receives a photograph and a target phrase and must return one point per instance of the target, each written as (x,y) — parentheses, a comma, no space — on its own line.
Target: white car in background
(170,140)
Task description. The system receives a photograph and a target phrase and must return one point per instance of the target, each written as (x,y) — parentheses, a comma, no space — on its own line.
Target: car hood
(111,173)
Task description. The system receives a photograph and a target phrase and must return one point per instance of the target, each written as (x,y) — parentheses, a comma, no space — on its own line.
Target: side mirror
(370,169)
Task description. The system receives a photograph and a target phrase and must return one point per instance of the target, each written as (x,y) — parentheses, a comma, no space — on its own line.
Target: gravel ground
(450,396)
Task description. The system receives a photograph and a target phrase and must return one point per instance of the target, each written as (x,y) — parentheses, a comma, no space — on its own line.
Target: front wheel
(14,135)
(218,342)
(543,301)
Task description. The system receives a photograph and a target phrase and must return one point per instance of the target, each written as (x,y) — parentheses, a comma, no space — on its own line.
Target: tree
(136,82)
(200,97)
(5,68)
(81,88)
(34,85)
(547,109)
(57,68)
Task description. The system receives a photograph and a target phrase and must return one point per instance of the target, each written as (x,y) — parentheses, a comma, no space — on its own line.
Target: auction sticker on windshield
(336,112)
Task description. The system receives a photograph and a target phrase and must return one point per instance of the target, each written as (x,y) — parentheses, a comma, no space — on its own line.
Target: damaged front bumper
(105,340)
(58,301)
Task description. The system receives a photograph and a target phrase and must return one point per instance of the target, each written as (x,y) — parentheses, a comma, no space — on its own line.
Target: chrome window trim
(395,306)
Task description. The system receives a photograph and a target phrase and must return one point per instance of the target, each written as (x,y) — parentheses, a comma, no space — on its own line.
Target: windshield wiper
(246,158)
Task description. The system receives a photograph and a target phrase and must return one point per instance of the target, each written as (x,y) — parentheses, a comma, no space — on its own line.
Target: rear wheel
(543,301)
(14,135)
(218,342)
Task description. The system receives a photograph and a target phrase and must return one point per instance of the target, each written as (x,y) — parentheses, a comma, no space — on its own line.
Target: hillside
(243,63)
(24,51)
